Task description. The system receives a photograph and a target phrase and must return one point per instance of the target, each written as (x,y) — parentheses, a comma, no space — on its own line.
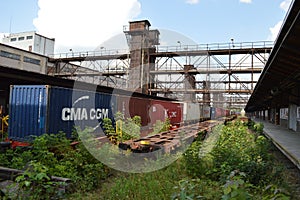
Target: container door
(28,112)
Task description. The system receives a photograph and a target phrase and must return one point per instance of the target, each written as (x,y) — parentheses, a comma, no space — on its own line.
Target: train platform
(287,141)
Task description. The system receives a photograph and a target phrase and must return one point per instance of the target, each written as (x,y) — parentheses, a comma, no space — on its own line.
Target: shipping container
(133,106)
(160,110)
(206,112)
(212,112)
(191,112)
(219,112)
(38,109)
(227,112)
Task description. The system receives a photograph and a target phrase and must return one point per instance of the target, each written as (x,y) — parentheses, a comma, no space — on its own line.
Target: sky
(86,24)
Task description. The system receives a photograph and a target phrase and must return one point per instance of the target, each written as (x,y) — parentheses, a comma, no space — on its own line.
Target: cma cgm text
(74,114)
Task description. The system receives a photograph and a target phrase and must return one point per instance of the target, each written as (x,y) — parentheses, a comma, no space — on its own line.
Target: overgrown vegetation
(161,126)
(123,129)
(53,155)
(234,162)
(240,162)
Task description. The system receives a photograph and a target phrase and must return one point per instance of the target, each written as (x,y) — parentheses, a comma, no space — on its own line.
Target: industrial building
(31,41)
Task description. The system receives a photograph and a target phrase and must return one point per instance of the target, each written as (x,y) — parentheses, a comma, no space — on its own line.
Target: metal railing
(216,46)
(101,52)
(174,48)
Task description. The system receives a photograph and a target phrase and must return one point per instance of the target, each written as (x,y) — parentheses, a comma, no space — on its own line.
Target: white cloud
(192,1)
(274,31)
(246,1)
(84,23)
(285,5)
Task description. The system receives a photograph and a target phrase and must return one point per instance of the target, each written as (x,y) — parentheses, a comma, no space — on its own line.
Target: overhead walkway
(286,140)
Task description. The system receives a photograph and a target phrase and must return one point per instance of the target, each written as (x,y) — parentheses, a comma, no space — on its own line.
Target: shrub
(52,154)
(124,129)
(35,183)
(160,126)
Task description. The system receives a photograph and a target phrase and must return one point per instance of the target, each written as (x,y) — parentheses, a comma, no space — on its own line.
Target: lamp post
(102,50)
(71,50)
(232,42)
(179,44)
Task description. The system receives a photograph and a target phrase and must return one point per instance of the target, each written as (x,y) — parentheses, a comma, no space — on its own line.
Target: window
(21,38)
(284,113)
(29,37)
(10,55)
(31,60)
(13,39)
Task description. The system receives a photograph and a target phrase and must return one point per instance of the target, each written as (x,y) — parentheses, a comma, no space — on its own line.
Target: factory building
(31,41)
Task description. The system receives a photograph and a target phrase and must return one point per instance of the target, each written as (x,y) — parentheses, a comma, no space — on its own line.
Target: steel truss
(227,72)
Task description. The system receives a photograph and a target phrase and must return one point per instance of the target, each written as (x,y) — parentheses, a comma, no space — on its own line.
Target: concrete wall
(43,45)
(23,60)
(31,41)
(20,40)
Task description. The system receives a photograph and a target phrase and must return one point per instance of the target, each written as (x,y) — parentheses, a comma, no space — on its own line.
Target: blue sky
(85,23)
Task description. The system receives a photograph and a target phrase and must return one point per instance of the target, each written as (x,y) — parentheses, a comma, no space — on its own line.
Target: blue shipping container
(39,109)
(212,113)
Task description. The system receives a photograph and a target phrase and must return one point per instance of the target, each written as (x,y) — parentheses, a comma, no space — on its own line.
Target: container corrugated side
(35,110)
(133,106)
(213,113)
(160,110)
(69,108)
(27,111)
(192,112)
(206,112)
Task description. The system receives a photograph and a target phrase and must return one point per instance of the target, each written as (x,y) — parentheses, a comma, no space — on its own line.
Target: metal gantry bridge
(227,71)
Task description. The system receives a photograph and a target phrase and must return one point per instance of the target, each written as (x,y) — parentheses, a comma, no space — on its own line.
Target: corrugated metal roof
(282,71)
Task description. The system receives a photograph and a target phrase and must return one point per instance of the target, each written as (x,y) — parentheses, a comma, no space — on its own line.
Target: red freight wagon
(227,112)
(160,110)
(132,106)
(219,112)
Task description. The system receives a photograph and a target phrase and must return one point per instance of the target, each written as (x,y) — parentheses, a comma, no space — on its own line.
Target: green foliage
(187,190)
(109,130)
(137,120)
(202,172)
(131,129)
(272,192)
(127,129)
(235,187)
(197,158)
(256,127)
(154,185)
(160,126)
(194,165)
(35,183)
(237,150)
(52,154)
(259,128)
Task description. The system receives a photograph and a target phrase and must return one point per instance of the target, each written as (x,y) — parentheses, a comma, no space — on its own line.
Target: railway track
(169,140)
